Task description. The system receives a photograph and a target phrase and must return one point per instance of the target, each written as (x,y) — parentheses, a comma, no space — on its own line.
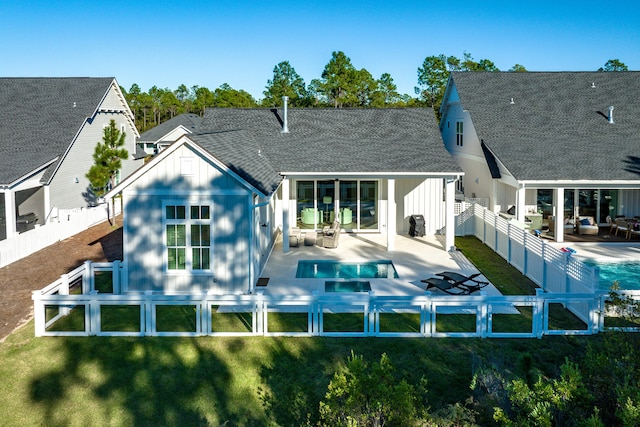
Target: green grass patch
(399,322)
(343,322)
(121,318)
(176,318)
(229,319)
(455,322)
(69,318)
(520,322)
(103,282)
(288,322)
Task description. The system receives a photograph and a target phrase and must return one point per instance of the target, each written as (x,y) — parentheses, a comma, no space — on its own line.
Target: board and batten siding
(422,197)
(143,226)
(65,192)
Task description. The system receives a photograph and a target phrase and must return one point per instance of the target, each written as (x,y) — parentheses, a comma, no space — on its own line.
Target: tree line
(340,84)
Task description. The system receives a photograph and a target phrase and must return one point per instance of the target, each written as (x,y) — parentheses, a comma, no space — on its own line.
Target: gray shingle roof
(239,151)
(40,117)
(188,120)
(557,127)
(340,140)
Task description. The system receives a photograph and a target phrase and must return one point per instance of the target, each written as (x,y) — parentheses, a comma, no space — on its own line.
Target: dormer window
(459,134)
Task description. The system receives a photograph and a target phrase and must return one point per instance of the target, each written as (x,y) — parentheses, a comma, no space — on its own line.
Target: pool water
(347,286)
(626,273)
(323,269)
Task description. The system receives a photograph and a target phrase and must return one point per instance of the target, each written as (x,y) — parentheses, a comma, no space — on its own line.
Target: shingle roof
(188,120)
(557,127)
(239,151)
(340,140)
(39,118)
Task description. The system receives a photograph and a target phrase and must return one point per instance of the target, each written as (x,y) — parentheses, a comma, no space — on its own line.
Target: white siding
(65,192)
(422,197)
(143,231)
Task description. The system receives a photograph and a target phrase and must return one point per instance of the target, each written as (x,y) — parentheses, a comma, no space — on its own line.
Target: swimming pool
(347,286)
(627,273)
(324,269)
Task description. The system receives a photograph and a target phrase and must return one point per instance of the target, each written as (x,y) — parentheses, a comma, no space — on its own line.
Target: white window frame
(459,133)
(187,222)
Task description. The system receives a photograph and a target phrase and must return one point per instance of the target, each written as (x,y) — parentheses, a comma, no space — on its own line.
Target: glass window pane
(195,235)
(170,212)
(204,212)
(180,212)
(368,204)
(205,235)
(171,235)
(181,235)
(195,212)
(171,258)
(181,261)
(206,259)
(195,259)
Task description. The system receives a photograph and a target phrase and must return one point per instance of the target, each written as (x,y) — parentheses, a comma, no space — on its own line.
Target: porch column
(558,213)
(520,199)
(391,213)
(47,204)
(449,216)
(10,212)
(285,215)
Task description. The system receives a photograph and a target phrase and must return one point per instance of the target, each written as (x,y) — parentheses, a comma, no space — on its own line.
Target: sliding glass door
(352,202)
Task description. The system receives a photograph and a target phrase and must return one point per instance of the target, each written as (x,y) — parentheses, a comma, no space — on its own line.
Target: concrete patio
(415,259)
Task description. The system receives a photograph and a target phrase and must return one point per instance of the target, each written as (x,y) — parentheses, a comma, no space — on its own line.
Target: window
(459,133)
(188,237)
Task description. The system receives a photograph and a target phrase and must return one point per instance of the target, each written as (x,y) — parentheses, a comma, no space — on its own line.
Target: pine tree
(108,157)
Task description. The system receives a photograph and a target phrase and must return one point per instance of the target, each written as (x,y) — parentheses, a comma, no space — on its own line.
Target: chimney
(285,128)
(610,114)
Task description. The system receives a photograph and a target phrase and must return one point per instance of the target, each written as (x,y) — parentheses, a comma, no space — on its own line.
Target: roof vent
(593,84)
(74,105)
(512,101)
(285,128)
(611,114)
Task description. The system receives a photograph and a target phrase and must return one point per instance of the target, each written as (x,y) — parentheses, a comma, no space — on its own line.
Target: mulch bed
(100,243)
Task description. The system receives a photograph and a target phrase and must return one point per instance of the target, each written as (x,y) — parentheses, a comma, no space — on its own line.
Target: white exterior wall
(64,191)
(423,197)
(231,226)
(477,179)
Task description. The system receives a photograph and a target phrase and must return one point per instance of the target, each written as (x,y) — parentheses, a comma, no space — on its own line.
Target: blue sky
(208,43)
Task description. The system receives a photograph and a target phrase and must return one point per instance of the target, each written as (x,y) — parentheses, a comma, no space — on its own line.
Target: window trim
(460,133)
(188,222)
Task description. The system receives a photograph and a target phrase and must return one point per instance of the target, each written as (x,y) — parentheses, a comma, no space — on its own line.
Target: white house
(49,128)
(562,143)
(203,214)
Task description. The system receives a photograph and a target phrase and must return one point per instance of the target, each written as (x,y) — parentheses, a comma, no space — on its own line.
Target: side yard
(102,242)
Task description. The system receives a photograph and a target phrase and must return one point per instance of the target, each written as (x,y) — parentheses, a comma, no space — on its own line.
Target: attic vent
(611,114)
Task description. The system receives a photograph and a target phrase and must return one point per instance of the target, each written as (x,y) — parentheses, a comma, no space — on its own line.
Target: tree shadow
(632,164)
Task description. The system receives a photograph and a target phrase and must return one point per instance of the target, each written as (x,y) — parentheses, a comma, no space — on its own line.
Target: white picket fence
(68,223)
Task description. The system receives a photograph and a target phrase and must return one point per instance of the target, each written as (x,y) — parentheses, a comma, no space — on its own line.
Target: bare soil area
(100,243)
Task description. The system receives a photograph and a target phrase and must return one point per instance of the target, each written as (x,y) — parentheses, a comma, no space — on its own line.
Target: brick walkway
(100,243)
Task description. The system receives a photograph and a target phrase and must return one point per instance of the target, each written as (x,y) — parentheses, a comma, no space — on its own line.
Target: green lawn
(253,380)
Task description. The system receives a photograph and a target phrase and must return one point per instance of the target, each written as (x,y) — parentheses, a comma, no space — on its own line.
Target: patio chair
(461,280)
(612,225)
(445,286)
(623,226)
(587,225)
(331,235)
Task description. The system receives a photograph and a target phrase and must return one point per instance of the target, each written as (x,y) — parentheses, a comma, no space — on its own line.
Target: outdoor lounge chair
(461,280)
(445,286)
(331,235)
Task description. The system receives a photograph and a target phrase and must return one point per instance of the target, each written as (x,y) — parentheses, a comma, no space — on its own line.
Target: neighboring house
(204,213)
(161,136)
(49,128)
(563,143)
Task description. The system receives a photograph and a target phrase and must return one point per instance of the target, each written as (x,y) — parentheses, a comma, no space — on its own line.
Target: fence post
(149,315)
(38,313)
(115,276)
(540,320)
(88,283)
(205,313)
(93,316)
